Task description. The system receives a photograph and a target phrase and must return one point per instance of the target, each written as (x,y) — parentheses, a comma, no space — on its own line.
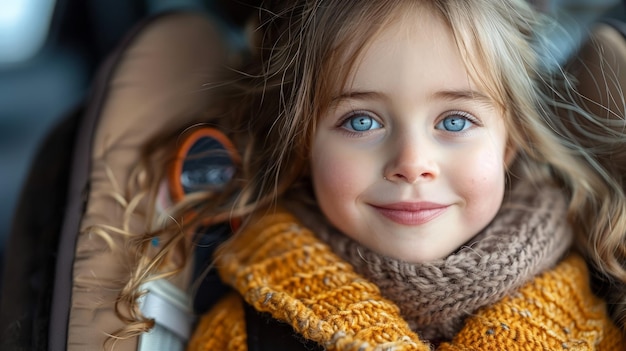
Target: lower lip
(411,217)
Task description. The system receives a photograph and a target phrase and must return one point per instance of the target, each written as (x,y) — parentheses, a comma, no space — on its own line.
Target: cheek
(484,187)
(331,176)
(339,175)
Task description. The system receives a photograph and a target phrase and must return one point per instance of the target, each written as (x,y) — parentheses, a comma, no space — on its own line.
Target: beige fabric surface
(160,77)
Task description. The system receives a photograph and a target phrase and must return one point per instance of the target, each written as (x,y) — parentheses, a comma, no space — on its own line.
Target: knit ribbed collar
(529,235)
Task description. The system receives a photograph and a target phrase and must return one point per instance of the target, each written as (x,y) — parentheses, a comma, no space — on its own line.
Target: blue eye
(361,123)
(455,123)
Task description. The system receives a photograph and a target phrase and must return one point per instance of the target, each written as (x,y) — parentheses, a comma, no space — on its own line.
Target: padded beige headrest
(160,77)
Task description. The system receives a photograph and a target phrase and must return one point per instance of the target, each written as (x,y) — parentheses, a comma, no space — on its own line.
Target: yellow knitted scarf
(278,266)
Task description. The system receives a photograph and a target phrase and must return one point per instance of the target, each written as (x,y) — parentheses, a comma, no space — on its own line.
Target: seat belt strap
(171,310)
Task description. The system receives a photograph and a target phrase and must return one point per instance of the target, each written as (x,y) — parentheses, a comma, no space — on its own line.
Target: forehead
(415,50)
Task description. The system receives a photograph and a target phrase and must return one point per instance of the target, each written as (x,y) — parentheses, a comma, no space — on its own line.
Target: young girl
(406,184)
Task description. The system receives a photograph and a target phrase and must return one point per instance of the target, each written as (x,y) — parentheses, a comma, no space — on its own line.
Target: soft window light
(24,27)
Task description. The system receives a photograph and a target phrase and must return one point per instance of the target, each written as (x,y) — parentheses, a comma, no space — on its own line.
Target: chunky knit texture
(278,266)
(529,235)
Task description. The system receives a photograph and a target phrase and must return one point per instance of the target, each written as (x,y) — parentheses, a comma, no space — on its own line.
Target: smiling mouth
(411,215)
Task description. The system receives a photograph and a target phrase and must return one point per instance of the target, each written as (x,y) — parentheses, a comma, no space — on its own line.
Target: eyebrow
(455,95)
(358,95)
(449,95)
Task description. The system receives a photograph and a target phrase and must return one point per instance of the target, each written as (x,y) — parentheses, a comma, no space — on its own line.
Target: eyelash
(470,117)
(465,115)
(352,114)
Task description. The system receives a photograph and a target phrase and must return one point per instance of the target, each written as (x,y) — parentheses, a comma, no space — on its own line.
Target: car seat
(60,279)
(55,293)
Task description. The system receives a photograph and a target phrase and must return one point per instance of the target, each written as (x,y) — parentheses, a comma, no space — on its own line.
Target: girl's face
(410,159)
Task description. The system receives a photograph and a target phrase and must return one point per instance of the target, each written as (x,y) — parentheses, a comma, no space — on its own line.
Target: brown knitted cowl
(529,235)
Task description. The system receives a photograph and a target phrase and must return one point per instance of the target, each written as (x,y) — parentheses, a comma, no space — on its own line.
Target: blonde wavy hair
(301,57)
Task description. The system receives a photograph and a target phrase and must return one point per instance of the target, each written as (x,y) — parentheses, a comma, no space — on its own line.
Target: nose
(412,161)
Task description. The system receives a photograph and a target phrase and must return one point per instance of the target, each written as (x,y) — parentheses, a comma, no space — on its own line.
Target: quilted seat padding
(160,80)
